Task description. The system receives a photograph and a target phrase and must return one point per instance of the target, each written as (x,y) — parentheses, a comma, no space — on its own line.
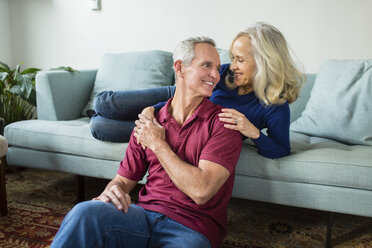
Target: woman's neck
(246,89)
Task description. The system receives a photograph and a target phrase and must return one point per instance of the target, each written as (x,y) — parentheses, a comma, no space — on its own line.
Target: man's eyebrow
(208,62)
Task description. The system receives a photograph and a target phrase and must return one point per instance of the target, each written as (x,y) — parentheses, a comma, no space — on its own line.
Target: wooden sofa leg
(3,201)
(80,188)
(329,230)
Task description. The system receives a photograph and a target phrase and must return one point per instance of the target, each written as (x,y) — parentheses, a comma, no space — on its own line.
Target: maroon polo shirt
(201,137)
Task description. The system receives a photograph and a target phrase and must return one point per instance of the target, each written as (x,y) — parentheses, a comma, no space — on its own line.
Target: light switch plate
(95,4)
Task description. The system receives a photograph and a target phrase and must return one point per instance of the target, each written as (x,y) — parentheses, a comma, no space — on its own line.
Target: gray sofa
(321,173)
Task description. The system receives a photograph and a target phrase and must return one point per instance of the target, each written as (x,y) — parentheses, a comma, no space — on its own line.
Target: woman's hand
(148,132)
(148,112)
(237,121)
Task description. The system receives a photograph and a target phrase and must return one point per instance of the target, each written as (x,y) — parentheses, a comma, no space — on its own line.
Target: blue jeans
(117,111)
(100,224)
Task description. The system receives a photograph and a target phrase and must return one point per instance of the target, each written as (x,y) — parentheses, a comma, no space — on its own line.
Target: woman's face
(242,62)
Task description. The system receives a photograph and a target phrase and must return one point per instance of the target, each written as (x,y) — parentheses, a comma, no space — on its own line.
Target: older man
(190,158)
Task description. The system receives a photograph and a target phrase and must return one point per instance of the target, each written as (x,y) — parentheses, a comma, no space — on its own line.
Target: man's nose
(215,74)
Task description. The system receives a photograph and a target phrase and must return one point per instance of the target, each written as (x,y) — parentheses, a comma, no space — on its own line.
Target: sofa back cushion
(340,106)
(224,55)
(298,106)
(132,71)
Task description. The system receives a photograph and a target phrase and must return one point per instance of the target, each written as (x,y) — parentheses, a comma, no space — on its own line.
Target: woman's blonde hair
(276,79)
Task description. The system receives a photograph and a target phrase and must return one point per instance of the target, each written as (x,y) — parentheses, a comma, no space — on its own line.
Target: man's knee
(91,209)
(106,216)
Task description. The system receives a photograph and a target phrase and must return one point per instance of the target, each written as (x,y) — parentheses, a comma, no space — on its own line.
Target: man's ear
(178,68)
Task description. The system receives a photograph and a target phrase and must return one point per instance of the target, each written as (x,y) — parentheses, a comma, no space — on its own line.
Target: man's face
(202,75)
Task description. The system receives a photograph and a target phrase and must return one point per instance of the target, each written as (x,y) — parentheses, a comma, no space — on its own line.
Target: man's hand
(149,133)
(115,194)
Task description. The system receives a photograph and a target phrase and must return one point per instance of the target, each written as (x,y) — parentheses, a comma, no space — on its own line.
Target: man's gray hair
(185,50)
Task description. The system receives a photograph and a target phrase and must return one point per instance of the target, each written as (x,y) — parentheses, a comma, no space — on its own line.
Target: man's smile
(209,83)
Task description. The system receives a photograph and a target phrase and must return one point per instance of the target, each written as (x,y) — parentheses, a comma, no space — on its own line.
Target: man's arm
(117,191)
(199,183)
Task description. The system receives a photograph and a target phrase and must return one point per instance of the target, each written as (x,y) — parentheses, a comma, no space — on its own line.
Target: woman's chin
(241,83)
(238,82)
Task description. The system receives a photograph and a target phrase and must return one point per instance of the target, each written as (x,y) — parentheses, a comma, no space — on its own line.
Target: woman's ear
(178,68)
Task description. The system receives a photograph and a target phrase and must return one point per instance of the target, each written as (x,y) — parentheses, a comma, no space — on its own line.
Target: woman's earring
(231,76)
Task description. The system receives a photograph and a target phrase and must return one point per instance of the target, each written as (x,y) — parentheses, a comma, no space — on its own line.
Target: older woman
(256,89)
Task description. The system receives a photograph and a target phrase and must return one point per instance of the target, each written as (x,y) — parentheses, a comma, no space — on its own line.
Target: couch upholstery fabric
(340,104)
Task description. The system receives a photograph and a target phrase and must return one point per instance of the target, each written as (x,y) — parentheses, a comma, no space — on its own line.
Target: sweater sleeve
(170,93)
(276,144)
(159,105)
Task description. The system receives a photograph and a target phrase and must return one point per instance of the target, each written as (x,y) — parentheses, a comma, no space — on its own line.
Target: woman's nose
(233,66)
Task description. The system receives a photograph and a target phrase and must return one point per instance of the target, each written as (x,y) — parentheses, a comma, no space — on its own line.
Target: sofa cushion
(132,71)
(313,160)
(66,137)
(340,106)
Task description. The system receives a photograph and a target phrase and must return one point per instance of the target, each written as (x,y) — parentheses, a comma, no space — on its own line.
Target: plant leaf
(16,89)
(14,108)
(28,86)
(18,68)
(3,76)
(30,70)
(5,66)
(64,68)
(25,83)
(2,87)
(32,98)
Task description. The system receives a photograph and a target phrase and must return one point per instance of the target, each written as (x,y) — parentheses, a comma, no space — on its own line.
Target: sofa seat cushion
(313,160)
(69,137)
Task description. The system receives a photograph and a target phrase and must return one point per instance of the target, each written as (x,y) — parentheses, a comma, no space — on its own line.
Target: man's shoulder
(214,119)
(211,109)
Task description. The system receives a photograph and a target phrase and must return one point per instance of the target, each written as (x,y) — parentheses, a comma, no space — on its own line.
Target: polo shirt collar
(203,111)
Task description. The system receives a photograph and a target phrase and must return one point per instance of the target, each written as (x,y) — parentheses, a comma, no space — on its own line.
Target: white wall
(5,34)
(49,33)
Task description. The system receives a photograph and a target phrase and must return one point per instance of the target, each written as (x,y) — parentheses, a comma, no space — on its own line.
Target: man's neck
(183,106)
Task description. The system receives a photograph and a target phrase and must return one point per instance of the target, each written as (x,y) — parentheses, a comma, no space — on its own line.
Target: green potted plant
(17,92)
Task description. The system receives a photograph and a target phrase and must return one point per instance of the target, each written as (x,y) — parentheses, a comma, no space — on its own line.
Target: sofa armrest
(62,95)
